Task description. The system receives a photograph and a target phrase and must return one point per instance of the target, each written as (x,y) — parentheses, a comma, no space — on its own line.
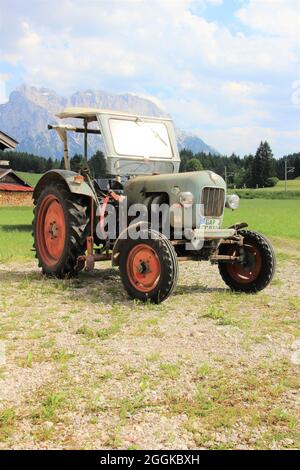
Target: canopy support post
(63,135)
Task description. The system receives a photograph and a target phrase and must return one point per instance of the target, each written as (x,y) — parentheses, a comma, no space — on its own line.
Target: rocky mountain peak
(29,110)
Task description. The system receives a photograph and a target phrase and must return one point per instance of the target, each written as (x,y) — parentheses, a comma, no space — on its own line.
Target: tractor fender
(67,178)
(122,239)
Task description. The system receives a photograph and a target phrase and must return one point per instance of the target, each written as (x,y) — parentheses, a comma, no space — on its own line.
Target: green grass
(96,358)
(275,218)
(277,192)
(292,185)
(7,418)
(31,178)
(15,233)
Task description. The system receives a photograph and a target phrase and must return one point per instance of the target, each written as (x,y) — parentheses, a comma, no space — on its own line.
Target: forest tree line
(250,171)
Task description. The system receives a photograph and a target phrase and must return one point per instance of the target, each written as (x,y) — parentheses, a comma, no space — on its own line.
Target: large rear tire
(60,226)
(149,267)
(258,268)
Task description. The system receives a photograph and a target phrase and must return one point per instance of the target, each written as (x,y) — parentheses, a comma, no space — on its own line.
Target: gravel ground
(84,367)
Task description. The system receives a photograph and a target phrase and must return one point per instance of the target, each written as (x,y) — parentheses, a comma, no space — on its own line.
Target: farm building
(13,189)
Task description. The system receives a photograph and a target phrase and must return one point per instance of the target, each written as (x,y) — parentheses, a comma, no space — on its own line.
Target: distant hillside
(29,110)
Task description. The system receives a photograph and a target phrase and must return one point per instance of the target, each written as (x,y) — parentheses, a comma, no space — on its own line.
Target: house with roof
(13,189)
(7,142)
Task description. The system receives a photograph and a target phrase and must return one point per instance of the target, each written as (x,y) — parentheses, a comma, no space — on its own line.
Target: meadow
(275,218)
(280,191)
(88,368)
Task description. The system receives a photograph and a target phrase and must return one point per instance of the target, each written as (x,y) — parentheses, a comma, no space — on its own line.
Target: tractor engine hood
(138,188)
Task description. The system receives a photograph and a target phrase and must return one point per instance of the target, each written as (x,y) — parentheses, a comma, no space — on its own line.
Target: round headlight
(232,201)
(186,199)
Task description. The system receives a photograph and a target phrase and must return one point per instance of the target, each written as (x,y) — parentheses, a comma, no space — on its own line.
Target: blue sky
(227,70)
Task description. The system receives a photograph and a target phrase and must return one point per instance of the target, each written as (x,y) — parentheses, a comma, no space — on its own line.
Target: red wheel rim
(245,273)
(51,230)
(143,268)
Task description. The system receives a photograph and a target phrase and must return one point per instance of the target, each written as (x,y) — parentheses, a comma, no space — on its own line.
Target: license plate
(209,223)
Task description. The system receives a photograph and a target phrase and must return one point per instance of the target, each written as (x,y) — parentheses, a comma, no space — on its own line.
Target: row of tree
(21,161)
(251,171)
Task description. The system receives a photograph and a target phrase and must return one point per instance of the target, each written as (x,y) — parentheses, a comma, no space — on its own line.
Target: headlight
(186,199)
(232,201)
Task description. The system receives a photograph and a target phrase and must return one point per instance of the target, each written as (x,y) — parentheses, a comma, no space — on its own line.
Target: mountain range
(29,110)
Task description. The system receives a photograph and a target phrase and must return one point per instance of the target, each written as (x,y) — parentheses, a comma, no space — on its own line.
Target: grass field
(277,192)
(292,185)
(15,233)
(274,218)
(88,368)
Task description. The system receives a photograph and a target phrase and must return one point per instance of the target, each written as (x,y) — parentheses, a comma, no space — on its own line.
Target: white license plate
(209,223)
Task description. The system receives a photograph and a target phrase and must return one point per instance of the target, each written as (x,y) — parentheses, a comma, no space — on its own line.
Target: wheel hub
(249,261)
(143,267)
(51,230)
(249,268)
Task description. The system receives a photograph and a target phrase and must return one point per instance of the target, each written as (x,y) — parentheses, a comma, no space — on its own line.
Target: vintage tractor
(73,211)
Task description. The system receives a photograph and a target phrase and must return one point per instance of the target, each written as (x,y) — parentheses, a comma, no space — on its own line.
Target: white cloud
(203,74)
(3,79)
(215,2)
(243,88)
(246,139)
(130,39)
(280,17)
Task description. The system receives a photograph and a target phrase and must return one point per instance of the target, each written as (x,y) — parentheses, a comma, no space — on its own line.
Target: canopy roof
(7,142)
(91,114)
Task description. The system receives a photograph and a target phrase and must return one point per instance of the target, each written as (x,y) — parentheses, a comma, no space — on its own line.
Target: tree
(248,166)
(193,165)
(76,162)
(185,156)
(263,165)
(97,164)
(271,182)
(62,164)
(49,164)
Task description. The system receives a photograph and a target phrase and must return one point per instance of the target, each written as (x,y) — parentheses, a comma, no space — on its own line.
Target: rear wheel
(60,228)
(149,267)
(258,266)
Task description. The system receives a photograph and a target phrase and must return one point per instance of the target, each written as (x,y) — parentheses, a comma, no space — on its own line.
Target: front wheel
(256,270)
(149,267)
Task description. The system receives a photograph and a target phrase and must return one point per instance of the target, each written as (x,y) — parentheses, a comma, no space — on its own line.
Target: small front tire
(258,267)
(149,267)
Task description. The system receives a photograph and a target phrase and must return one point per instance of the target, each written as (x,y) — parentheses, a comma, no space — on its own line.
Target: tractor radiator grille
(213,201)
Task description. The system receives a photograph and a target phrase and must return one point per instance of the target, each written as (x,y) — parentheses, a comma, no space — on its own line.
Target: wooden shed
(13,189)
